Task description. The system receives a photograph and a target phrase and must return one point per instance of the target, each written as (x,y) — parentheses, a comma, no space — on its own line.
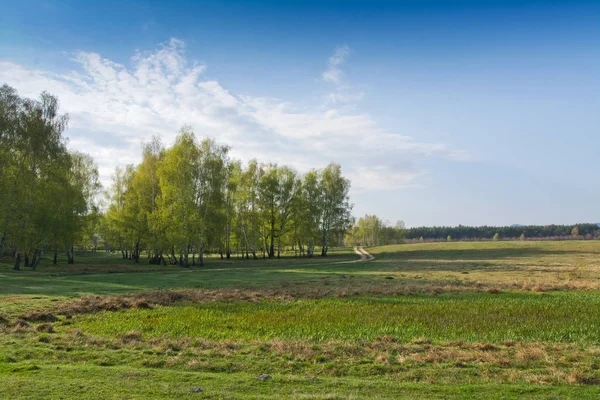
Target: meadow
(431,320)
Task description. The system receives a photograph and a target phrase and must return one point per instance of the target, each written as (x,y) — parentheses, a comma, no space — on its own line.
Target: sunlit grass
(467,317)
(433,320)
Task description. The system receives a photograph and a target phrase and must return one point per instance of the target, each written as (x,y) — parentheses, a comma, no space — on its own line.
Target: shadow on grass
(298,283)
(101,263)
(387,269)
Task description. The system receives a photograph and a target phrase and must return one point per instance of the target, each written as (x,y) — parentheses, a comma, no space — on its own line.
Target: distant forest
(578,231)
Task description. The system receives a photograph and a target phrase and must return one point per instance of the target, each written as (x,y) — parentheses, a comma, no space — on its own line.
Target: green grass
(478,266)
(92,382)
(467,317)
(106,273)
(433,320)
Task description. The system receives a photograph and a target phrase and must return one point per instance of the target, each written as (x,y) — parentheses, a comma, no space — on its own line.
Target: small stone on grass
(263,377)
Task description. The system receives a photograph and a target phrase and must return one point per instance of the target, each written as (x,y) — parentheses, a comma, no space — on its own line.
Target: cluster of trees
(175,205)
(370,230)
(503,232)
(46,191)
(182,201)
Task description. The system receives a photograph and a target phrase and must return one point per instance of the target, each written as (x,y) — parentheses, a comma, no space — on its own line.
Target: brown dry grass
(553,363)
(40,316)
(131,337)
(145,300)
(150,299)
(20,326)
(530,266)
(47,328)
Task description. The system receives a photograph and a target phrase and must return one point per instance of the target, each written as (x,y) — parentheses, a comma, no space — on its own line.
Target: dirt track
(364,256)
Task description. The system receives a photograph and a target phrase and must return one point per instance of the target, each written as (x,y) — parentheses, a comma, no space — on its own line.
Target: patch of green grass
(13,306)
(91,276)
(93,382)
(467,317)
(450,363)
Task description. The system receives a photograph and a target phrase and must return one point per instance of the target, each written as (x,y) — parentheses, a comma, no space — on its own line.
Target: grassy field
(433,320)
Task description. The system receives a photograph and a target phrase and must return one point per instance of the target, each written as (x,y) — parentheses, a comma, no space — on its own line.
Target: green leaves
(191,198)
(178,201)
(46,191)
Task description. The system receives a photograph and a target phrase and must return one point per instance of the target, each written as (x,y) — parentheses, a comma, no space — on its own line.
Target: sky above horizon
(440,112)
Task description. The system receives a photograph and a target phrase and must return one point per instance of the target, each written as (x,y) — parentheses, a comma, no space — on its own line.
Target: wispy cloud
(334,74)
(114,108)
(342,91)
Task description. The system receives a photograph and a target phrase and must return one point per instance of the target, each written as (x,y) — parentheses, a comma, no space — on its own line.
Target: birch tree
(336,217)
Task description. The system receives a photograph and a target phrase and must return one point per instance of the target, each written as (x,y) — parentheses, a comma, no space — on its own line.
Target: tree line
(462,232)
(46,191)
(180,202)
(173,207)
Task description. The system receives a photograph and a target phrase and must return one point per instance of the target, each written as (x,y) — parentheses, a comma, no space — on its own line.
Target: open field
(432,320)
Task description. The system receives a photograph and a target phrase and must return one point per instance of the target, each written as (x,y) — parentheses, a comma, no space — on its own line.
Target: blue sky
(441,112)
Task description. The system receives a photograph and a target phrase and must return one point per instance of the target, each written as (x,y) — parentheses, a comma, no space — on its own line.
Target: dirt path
(364,253)
(364,256)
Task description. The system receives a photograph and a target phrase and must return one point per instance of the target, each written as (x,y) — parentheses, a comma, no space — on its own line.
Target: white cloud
(342,91)
(114,108)
(334,74)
